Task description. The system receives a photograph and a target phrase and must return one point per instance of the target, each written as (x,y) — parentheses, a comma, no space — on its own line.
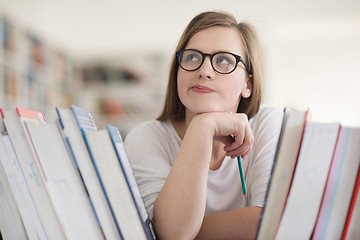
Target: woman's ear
(248,88)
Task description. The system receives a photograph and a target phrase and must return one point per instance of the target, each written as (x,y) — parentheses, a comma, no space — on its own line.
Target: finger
(238,140)
(242,141)
(226,140)
(246,152)
(244,148)
(238,152)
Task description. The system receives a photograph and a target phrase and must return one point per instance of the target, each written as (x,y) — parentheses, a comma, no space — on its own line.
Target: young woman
(185,161)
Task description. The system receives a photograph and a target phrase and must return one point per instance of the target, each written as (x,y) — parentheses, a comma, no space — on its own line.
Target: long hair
(173,108)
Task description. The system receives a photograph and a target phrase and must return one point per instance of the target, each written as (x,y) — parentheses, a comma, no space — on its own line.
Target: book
(63,182)
(340,185)
(130,177)
(14,119)
(19,188)
(303,202)
(284,166)
(351,229)
(86,181)
(114,184)
(84,119)
(11,224)
(2,125)
(76,143)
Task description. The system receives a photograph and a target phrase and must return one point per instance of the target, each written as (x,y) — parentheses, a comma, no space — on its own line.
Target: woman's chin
(208,111)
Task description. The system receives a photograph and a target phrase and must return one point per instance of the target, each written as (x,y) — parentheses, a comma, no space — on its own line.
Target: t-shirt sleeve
(149,160)
(266,129)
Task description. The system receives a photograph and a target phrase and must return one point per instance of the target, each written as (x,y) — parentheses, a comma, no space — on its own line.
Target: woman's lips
(201,89)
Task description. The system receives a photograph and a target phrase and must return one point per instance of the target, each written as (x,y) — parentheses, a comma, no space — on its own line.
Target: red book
(350,230)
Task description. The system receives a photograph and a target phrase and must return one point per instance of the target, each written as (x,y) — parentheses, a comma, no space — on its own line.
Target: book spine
(354,197)
(101,182)
(126,168)
(28,113)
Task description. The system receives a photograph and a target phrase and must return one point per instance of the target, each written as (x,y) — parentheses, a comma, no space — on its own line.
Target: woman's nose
(206,70)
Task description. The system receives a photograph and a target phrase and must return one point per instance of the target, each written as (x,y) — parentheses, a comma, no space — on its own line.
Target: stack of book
(313,191)
(67,179)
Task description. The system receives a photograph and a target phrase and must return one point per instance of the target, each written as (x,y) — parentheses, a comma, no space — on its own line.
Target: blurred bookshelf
(32,74)
(123,90)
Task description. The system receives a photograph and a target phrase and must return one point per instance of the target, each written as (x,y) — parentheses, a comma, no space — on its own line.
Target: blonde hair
(173,108)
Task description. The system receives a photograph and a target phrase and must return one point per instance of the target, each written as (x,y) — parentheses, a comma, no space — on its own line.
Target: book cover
(2,125)
(282,173)
(351,229)
(84,119)
(63,182)
(33,173)
(76,143)
(301,209)
(114,184)
(129,175)
(339,186)
(20,189)
(11,224)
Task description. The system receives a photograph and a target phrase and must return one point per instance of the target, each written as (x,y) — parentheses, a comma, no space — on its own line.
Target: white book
(340,186)
(2,125)
(11,224)
(308,184)
(20,189)
(82,158)
(64,183)
(130,177)
(284,166)
(115,184)
(51,226)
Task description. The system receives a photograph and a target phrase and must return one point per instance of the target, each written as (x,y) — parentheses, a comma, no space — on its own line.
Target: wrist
(203,125)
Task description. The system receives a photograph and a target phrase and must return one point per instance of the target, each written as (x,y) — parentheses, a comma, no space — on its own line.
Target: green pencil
(242,177)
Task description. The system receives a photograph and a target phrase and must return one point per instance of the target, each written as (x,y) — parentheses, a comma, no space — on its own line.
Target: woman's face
(205,90)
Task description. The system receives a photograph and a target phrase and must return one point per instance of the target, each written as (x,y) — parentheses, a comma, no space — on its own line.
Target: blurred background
(112,57)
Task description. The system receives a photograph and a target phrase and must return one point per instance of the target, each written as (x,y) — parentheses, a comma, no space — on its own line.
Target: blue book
(84,119)
(74,122)
(114,184)
(129,175)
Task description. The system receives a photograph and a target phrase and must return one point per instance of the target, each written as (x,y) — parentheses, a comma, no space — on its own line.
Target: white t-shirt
(153,145)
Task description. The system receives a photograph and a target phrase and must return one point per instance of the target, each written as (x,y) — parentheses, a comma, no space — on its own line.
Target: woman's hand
(232,129)
(184,191)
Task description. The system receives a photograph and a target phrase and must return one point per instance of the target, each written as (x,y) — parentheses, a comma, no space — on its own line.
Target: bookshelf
(33,74)
(123,90)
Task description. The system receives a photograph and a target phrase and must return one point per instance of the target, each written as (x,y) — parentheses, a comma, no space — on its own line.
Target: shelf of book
(33,74)
(124,90)
(67,169)
(321,193)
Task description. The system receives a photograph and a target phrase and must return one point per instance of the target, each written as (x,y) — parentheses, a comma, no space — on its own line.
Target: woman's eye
(191,58)
(223,60)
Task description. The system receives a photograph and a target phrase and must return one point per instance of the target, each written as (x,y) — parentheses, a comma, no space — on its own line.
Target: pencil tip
(245,195)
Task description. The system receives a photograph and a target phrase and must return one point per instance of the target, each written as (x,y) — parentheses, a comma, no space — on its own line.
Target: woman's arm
(180,206)
(237,224)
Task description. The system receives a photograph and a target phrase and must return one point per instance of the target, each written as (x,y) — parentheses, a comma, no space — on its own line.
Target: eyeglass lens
(221,62)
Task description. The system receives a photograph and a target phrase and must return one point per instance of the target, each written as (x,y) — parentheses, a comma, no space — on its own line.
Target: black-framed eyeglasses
(222,62)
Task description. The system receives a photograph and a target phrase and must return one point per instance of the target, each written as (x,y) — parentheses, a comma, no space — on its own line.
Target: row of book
(67,179)
(313,192)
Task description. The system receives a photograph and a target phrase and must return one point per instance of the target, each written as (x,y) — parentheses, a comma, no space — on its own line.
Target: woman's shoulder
(151,129)
(267,117)
(152,138)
